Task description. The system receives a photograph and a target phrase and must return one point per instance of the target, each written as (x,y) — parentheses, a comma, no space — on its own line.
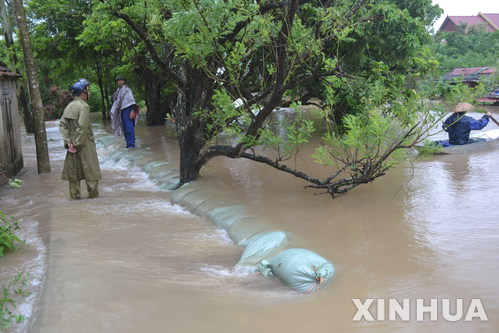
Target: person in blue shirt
(459,126)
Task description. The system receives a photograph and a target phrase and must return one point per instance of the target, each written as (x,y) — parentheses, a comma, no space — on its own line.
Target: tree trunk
(7,31)
(191,129)
(42,153)
(190,143)
(189,166)
(156,111)
(27,114)
(103,91)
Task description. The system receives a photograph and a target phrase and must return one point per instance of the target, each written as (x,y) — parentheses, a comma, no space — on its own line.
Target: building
(489,22)
(11,158)
(470,75)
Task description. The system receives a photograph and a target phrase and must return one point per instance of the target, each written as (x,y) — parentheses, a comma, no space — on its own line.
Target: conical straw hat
(463,107)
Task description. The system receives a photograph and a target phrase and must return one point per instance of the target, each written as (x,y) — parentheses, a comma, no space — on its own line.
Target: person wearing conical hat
(458,125)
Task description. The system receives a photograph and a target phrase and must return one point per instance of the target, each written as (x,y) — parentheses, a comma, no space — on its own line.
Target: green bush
(8,240)
(55,102)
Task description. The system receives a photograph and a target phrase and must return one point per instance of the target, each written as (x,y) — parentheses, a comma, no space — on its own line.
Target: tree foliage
(224,67)
(354,56)
(56,25)
(475,48)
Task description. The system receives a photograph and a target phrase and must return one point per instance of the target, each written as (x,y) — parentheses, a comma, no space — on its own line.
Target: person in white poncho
(124,112)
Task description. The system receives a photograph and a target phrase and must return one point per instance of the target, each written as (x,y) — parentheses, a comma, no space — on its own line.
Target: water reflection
(450,205)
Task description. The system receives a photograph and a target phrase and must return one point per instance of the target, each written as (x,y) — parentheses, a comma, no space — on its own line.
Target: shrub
(58,99)
(8,240)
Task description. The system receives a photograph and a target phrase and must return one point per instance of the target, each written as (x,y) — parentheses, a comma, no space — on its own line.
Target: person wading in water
(124,112)
(81,158)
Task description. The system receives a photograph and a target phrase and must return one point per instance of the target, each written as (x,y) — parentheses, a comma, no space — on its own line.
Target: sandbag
(154,165)
(177,196)
(301,269)
(245,227)
(259,247)
(223,217)
(198,201)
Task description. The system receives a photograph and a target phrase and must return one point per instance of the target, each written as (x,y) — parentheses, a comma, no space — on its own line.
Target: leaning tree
(42,152)
(233,62)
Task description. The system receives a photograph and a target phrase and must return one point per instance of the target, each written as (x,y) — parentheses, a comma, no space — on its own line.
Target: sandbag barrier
(266,251)
(163,173)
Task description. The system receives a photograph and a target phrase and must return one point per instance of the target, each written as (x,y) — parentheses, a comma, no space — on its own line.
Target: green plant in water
(8,240)
(429,148)
(7,301)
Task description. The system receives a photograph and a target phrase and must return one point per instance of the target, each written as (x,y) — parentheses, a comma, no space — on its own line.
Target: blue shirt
(459,127)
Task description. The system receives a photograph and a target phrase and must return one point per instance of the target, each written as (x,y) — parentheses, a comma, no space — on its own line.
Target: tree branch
(150,47)
(276,165)
(265,8)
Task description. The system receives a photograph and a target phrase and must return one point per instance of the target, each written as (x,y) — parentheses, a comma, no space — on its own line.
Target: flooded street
(132,261)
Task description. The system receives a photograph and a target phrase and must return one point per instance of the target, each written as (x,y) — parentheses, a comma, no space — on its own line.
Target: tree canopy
(475,48)
(223,67)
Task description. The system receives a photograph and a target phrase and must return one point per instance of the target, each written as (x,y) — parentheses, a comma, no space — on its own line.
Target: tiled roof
(489,21)
(493,19)
(470,73)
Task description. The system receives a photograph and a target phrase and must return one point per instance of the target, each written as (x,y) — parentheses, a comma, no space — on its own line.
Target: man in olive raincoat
(81,158)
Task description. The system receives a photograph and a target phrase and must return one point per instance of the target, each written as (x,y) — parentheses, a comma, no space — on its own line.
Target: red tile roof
(493,19)
(489,21)
(470,74)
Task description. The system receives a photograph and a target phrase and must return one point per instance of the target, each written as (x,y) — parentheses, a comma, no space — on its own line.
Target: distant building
(489,22)
(470,75)
(11,158)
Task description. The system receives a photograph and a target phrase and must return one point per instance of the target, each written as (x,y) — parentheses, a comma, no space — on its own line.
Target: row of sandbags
(162,173)
(265,251)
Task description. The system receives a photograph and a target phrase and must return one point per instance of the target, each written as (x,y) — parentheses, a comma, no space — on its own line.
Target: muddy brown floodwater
(131,261)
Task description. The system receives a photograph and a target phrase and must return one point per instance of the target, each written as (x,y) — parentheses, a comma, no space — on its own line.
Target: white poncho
(122,99)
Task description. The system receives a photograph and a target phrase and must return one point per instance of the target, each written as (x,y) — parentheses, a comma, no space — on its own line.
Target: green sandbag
(224,217)
(194,199)
(178,195)
(260,246)
(153,165)
(301,269)
(245,227)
